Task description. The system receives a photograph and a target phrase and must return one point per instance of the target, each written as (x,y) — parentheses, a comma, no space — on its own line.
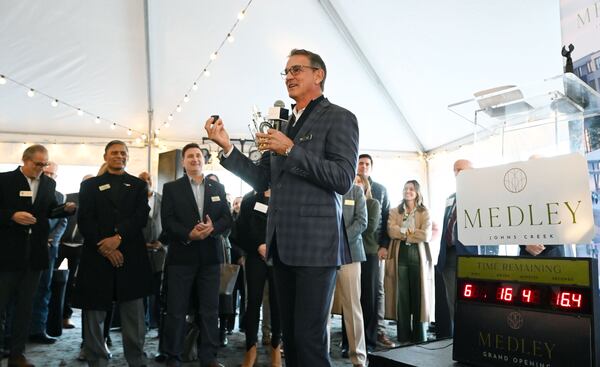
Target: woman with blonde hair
(409,281)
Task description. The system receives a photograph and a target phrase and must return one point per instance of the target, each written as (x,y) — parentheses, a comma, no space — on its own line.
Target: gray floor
(66,350)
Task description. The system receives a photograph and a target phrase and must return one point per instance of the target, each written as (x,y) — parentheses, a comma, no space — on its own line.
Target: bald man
(445,269)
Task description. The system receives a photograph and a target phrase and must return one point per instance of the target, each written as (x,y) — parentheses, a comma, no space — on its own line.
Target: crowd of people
(316,236)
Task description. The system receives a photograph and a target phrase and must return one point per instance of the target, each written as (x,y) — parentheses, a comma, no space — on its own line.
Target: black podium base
(432,354)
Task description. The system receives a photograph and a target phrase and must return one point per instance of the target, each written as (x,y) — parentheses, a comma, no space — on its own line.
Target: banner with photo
(580,28)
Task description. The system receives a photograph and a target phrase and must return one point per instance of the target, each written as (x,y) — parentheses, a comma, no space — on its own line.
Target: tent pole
(148,86)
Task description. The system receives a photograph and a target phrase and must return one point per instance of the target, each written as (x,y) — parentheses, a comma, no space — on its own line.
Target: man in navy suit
(194,213)
(308,165)
(445,270)
(27,201)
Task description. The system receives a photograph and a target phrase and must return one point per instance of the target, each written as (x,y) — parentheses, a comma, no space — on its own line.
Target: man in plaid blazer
(308,165)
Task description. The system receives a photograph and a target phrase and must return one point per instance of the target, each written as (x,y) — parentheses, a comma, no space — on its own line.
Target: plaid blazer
(305,209)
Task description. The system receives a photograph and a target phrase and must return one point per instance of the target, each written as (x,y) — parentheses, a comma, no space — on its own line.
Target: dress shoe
(42,338)
(345,353)
(160,358)
(385,341)
(276,356)
(250,357)
(19,361)
(67,324)
(214,364)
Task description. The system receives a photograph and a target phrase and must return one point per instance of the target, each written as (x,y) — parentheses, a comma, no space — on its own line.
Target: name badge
(349,202)
(261,207)
(104,187)
(450,201)
(26,194)
(215,199)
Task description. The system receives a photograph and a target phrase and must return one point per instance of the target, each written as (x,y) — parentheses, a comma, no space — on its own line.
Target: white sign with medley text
(541,201)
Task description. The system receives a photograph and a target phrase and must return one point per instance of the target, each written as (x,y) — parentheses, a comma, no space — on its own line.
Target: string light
(166,124)
(138,140)
(129,132)
(144,136)
(212,57)
(54,102)
(156,131)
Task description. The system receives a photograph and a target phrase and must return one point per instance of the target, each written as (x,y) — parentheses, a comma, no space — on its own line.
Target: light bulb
(97,119)
(79,112)
(156,131)
(129,132)
(213,56)
(195,87)
(144,137)
(241,15)
(156,140)
(170,117)
(206,73)
(178,109)
(2,80)
(54,103)
(230,38)
(166,124)
(113,126)
(138,140)
(186,98)
(31,93)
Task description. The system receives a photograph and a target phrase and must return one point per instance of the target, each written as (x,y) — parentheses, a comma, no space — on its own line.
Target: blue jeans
(39,315)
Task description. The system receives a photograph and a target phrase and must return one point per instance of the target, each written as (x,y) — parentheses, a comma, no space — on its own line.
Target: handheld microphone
(277,114)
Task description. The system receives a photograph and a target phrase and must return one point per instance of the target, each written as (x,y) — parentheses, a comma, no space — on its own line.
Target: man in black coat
(194,213)
(27,201)
(114,265)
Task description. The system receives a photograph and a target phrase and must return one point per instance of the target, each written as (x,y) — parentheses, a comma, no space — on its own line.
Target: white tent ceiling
(395,64)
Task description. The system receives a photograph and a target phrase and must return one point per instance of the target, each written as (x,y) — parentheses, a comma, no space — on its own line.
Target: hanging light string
(205,72)
(55,102)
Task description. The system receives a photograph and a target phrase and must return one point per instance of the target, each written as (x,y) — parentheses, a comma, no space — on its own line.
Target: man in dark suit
(114,265)
(70,248)
(41,300)
(445,270)
(308,165)
(27,201)
(194,213)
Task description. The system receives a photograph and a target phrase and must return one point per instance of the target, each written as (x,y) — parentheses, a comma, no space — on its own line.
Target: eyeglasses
(41,164)
(295,70)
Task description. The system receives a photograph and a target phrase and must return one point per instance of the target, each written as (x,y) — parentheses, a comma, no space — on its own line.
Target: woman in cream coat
(409,281)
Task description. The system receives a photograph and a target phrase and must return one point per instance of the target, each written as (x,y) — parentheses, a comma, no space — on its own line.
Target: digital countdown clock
(526,311)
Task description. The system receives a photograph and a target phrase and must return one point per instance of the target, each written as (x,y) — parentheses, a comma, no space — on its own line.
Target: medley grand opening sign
(542,201)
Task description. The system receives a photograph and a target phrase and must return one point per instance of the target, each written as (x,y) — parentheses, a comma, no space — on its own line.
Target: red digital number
(568,300)
(526,295)
(468,293)
(505,294)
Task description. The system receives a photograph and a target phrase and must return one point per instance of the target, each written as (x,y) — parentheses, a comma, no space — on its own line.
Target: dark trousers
(152,302)
(369,282)
(180,281)
(304,295)
(19,287)
(41,300)
(410,328)
(73,255)
(257,273)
